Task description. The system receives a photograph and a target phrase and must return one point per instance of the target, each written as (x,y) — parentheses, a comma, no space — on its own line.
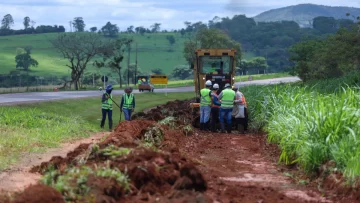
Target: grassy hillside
(153,52)
(305,13)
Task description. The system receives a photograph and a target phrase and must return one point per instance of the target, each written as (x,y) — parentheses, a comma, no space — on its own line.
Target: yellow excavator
(216,65)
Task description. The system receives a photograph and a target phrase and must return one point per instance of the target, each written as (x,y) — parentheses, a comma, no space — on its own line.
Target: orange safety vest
(243,100)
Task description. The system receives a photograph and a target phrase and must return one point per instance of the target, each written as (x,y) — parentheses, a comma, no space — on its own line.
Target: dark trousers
(214,118)
(243,121)
(109,112)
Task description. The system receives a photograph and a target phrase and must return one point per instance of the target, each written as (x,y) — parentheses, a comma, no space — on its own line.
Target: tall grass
(313,123)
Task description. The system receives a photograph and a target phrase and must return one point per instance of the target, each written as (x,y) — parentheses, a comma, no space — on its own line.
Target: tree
(131,73)
(110,30)
(24,60)
(79,24)
(255,64)
(130,29)
(93,29)
(209,38)
(325,24)
(157,71)
(7,22)
(26,22)
(113,58)
(79,49)
(182,32)
(33,23)
(182,72)
(155,27)
(171,39)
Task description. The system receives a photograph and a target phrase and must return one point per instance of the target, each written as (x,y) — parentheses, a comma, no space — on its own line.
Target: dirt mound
(178,109)
(39,193)
(138,161)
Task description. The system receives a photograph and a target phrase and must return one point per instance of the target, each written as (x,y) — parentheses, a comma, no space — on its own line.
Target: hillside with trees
(303,14)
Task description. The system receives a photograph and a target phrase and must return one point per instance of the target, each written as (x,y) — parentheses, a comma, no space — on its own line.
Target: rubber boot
(222,127)
(207,126)
(228,128)
(102,123)
(110,125)
(241,129)
(213,128)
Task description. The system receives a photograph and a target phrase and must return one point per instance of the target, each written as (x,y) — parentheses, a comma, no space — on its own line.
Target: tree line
(76,25)
(330,57)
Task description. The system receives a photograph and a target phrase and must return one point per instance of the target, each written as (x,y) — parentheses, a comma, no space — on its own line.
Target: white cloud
(171,14)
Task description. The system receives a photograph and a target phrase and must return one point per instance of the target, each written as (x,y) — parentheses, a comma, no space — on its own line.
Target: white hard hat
(216,86)
(227,85)
(208,83)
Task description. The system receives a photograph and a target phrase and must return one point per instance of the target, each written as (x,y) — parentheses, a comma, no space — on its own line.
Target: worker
(127,103)
(241,116)
(215,108)
(205,106)
(139,81)
(143,81)
(106,107)
(226,97)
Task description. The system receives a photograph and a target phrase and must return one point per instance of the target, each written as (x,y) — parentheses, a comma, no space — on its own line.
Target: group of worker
(230,102)
(127,105)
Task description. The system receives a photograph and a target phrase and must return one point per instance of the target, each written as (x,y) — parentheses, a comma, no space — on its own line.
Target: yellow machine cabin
(216,65)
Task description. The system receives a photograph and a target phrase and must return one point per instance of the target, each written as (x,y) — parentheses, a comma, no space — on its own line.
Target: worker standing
(127,103)
(205,106)
(139,81)
(215,108)
(227,97)
(106,107)
(241,115)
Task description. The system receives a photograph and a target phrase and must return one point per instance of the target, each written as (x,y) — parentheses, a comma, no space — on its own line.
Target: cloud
(171,14)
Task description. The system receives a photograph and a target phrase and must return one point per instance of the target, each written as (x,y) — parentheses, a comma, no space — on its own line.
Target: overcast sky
(171,14)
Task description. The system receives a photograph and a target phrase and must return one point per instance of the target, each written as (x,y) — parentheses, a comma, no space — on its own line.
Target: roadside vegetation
(314,123)
(36,127)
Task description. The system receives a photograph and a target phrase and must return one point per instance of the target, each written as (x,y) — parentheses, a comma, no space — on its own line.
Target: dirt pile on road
(138,162)
(178,109)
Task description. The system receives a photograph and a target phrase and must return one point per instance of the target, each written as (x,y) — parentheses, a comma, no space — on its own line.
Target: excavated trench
(160,157)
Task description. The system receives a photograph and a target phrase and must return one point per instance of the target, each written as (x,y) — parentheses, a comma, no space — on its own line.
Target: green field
(153,52)
(36,127)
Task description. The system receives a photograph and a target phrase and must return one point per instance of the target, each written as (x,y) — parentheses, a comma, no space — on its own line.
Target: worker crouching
(127,103)
(227,98)
(106,107)
(205,106)
(215,108)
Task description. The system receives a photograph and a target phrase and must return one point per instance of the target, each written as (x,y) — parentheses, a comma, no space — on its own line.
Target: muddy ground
(168,161)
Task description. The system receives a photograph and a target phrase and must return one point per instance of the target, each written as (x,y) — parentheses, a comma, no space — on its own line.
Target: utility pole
(93,80)
(128,63)
(136,64)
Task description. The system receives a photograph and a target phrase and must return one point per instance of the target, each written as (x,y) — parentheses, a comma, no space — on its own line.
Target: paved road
(33,97)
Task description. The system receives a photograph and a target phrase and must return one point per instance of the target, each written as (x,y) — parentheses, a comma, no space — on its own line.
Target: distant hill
(303,14)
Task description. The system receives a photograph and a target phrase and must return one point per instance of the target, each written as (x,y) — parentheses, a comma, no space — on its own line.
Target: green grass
(36,127)
(153,52)
(311,123)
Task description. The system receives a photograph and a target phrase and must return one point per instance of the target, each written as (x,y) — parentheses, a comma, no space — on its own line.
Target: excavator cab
(216,65)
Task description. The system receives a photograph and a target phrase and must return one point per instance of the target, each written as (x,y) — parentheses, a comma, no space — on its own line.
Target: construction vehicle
(145,84)
(216,65)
